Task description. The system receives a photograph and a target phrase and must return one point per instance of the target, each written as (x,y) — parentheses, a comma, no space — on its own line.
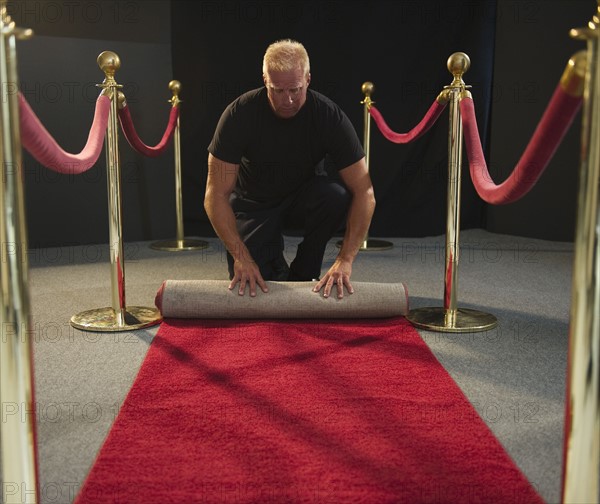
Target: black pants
(319,207)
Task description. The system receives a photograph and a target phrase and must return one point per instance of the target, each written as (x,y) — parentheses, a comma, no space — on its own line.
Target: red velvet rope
(36,139)
(427,122)
(555,122)
(134,140)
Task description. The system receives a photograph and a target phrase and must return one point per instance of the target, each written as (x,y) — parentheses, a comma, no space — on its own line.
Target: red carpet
(313,412)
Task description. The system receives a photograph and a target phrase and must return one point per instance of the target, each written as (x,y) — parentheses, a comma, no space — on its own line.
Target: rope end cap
(573,78)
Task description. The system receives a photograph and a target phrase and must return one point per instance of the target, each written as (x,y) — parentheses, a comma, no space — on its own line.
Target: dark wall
(402,47)
(532,49)
(517,48)
(57,74)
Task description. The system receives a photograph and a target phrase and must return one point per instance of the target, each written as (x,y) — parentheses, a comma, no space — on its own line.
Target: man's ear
(264,79)
(308,79)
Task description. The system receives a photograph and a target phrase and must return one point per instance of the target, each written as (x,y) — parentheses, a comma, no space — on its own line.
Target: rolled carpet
(285,300)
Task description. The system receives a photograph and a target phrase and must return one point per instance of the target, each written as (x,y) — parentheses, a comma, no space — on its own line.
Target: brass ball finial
(458,64)
(367,88)
(175,87)
(109,62)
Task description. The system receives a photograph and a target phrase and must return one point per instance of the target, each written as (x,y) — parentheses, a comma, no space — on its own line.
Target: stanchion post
(450,318)
(175,87)
(581,463)
(458,66)
(113,178)
(180,243)
(17,397)
(367,89)
(118,317)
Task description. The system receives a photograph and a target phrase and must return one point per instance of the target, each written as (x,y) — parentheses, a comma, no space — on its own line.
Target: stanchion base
(105,320)
(371,244)
(461,320)
(177,245)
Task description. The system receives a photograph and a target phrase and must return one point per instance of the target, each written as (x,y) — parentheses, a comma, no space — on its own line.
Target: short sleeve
(229,140)
(335,133)
(344,146)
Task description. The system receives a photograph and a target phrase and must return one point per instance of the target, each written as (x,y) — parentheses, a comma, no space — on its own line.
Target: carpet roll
(285,300)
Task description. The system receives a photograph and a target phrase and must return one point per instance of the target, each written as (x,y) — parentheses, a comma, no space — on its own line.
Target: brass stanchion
(450,318)
(180,243)
(17,397)
(119,317)
(367,88)
(581,462)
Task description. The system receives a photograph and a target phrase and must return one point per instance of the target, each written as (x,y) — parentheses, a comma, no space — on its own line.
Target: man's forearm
(223,222)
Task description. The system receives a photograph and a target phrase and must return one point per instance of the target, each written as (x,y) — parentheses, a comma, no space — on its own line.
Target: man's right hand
(246,272)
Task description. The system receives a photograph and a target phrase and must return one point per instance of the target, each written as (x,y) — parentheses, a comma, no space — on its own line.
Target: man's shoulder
(325,108)
(320,100)
(247,100)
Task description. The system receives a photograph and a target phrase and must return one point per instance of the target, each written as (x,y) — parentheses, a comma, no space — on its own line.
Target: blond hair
(286,55)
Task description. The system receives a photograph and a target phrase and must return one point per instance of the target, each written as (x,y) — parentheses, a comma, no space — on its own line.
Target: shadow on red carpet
(354,411)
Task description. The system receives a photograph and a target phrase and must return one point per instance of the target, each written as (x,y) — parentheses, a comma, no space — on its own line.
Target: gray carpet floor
(514,375)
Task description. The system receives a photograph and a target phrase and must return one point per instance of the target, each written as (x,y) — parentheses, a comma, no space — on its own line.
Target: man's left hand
(338,275)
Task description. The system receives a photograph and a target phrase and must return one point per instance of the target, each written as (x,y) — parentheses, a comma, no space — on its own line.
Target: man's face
(286,91)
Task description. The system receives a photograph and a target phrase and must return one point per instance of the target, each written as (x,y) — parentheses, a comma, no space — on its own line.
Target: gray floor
(514,375)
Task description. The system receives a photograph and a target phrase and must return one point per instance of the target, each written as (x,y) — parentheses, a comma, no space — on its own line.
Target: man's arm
(358,182)
(219,185)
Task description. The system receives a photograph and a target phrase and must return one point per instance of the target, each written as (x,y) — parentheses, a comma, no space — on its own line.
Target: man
(265,166)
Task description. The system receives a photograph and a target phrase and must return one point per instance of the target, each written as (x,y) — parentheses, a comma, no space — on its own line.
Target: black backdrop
(518,50)
(58,74)
(531,51)
(402,47)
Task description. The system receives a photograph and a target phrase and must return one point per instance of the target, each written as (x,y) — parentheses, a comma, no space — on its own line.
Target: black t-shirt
(278,155)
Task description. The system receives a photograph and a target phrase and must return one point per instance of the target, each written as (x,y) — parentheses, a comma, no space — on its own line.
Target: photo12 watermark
(35,12)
